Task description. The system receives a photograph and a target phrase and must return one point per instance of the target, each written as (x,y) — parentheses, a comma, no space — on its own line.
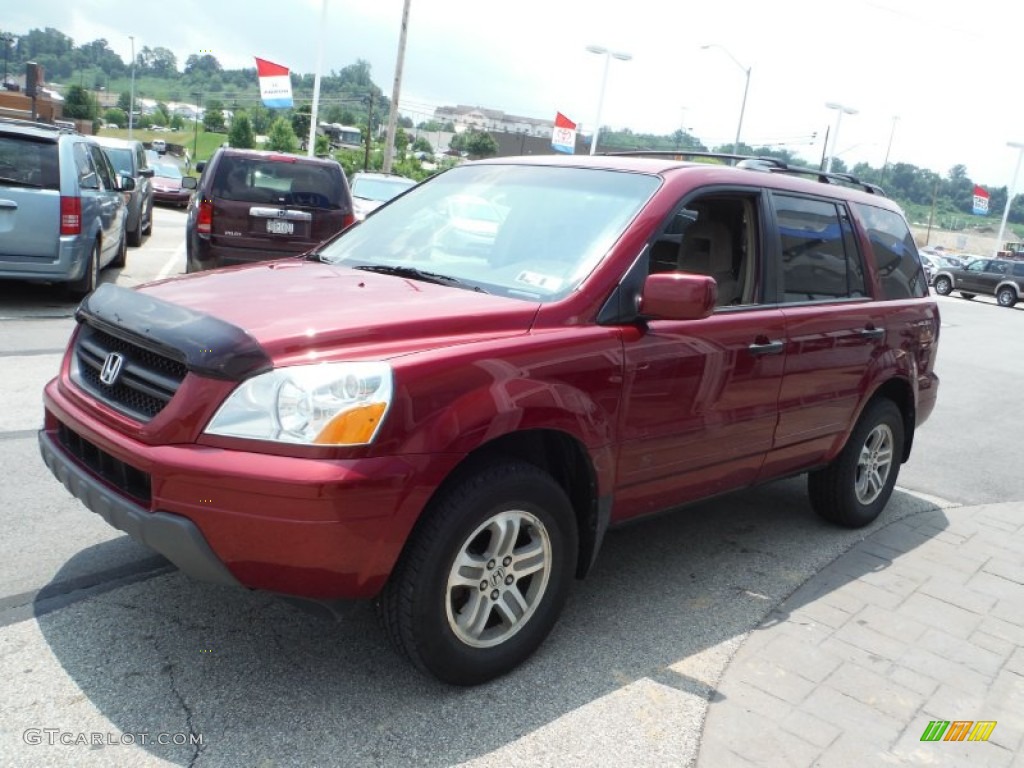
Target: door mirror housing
(678,296)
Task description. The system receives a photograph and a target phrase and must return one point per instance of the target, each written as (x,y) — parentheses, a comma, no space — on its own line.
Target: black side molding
(205,344)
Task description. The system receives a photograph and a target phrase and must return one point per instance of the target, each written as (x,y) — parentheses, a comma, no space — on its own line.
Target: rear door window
(896,258)
(24,162)
(820,258)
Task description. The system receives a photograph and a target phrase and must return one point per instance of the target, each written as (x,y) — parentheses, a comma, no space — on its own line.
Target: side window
(87,176)
(820,259)
(896,258)
(140,158)
(103,167)
(716,236)
(1018,269)
(998,267)
(979,265)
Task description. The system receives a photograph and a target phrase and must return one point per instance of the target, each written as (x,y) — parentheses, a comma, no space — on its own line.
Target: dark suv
(254,205)
(452,433)
(1002,278)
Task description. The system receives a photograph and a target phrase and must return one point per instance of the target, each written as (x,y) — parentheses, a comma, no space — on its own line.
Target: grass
(206,143)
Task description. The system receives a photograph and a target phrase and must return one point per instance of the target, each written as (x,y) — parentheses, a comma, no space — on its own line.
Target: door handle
(872,333)
(766,347)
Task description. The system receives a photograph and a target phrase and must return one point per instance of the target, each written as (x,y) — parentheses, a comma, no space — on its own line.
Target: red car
(171,186)
(452,432)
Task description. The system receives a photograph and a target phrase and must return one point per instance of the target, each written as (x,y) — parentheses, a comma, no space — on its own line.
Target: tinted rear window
(28,163)
(896,258)
(279,182)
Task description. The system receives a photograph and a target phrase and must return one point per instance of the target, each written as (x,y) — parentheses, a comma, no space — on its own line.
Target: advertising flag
(980,201)
(563,137)
(275,84)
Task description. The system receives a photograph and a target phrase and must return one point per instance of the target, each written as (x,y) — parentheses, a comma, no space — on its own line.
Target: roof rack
(760,163)
(37,124)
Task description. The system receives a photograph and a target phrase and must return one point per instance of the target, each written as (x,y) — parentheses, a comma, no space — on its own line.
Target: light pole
(1019,146)
(195,139)
(131,97)
(840,111)
(608,56)
(746,88)
(885,163)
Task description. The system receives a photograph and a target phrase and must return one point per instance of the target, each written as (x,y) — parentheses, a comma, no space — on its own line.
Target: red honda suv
(452,431)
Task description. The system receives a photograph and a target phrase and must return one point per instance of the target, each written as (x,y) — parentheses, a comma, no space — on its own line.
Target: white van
(159,145)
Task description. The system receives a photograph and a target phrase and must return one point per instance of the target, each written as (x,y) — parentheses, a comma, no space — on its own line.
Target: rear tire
(87,283)
(484,576)
(122,254)
(1006,297)
(943,285)
(853,490)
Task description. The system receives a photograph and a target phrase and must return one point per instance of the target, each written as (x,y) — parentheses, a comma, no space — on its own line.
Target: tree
(261,118)
(116,116)
(402,141)
(202,65)
(475,143)
(300,120)
(213,116)
(281,137)
(124,101)
(241,134)
(79,104)
(421,145)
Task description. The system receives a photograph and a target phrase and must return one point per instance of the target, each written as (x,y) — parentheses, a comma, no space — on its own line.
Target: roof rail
(37,124)
(761,163)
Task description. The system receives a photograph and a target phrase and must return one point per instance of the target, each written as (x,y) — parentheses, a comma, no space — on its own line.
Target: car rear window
(26,162)
(281,182)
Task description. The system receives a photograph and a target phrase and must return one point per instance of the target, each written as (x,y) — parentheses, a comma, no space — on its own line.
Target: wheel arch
(563,457)
(900,392)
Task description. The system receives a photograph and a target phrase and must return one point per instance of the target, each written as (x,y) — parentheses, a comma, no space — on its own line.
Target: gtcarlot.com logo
(958,730)
(56,736)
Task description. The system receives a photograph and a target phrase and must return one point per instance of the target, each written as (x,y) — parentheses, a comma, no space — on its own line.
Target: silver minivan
(62,206)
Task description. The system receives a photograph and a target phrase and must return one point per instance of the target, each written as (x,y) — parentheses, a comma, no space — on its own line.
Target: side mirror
(125,183)
(189,182)
(200,166)
(678,296)
(147,172)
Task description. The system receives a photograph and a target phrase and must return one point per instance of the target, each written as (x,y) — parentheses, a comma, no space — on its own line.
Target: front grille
(147,382)
(127,479)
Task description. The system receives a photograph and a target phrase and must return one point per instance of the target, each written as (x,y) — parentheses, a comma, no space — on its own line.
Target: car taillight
(204,220)
(348,220)
(71,215)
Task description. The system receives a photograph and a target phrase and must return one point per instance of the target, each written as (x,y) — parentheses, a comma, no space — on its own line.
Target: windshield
(533,232)
(381,190)
(167,171)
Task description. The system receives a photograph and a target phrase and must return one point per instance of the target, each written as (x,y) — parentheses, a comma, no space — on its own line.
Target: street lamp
(746,88)
(609,55)
(1009,193)
(131,98)
(840,111)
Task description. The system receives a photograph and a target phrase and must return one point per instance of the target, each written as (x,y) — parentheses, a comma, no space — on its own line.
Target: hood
(298,309)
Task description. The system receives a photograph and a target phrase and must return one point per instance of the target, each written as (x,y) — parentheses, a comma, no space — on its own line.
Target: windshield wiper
(419,274)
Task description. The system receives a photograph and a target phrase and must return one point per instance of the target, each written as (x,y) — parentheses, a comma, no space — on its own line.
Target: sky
(934,83)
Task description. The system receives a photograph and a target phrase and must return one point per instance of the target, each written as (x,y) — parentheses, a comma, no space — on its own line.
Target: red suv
(253,205)
(452,431)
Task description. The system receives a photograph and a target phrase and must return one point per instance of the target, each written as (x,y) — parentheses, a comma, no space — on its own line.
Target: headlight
(323,404)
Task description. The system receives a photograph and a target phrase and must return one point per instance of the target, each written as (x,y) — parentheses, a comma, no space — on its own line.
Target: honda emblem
(111,370)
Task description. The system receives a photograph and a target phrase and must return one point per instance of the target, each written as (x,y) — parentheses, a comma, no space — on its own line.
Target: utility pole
(131,100)
(389,144)
(369,134)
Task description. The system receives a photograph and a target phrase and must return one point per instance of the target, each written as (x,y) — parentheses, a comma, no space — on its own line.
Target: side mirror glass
(189,182)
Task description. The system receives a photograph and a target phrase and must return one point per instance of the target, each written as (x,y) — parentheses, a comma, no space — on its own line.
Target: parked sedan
(171,186)
(372,190)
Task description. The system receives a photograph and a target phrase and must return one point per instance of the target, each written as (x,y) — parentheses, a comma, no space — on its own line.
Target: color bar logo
(959,730)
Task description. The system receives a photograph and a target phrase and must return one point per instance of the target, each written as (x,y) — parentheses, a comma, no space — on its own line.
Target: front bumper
(313,528)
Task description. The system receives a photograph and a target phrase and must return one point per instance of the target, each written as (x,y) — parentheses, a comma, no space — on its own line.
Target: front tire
(853,490)
(943,285)
(484,575)
(1006,297)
